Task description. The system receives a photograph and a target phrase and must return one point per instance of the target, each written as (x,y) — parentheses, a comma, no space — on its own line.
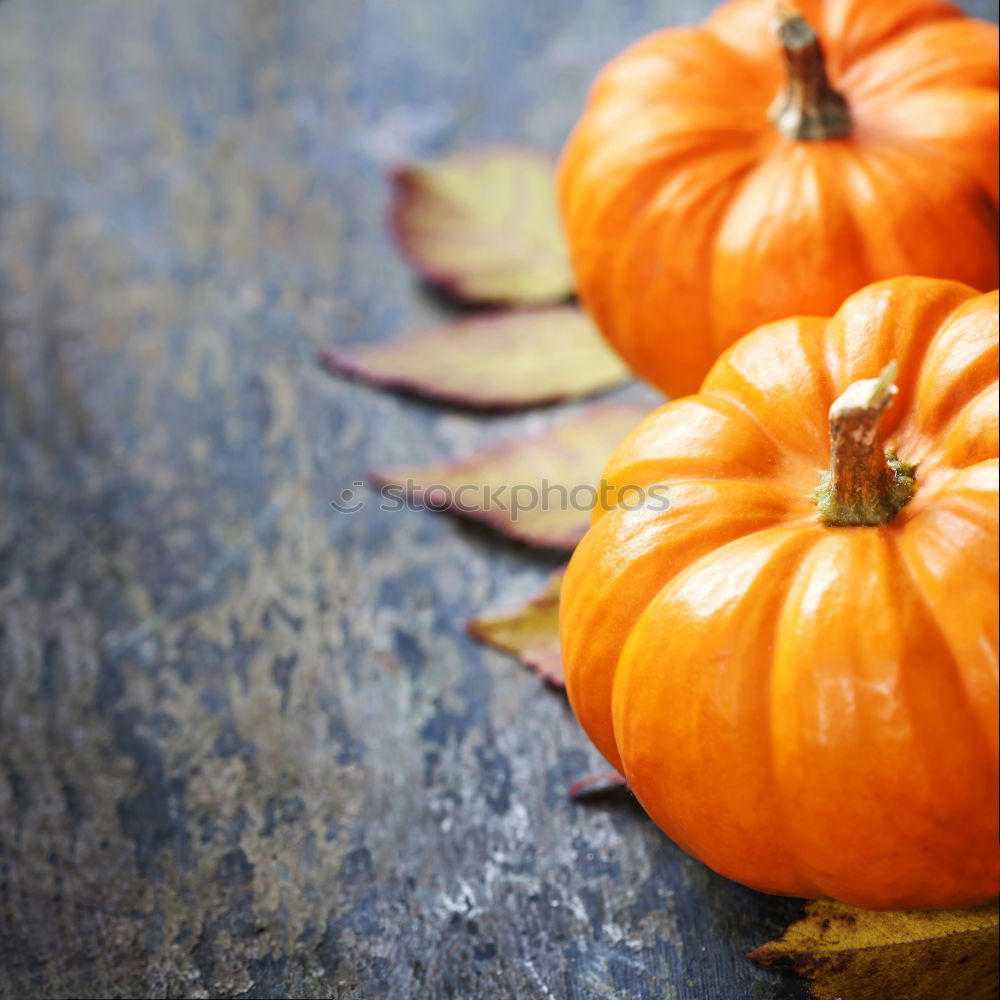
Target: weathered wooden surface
(245,747)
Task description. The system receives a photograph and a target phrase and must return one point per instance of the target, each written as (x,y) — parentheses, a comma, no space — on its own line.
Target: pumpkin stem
(808,107)
(865,484)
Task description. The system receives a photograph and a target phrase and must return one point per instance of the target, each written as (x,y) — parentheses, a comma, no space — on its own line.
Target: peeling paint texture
(246,749)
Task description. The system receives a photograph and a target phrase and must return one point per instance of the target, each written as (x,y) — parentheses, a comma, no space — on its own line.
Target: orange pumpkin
(718,180)
(797,672)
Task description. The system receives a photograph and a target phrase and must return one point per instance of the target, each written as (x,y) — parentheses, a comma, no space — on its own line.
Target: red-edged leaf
(496,361)
(484,226)
(538,488)
(531,632)
(595,786)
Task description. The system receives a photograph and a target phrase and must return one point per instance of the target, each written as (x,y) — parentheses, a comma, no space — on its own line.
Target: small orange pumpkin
(797,672)
(708,188)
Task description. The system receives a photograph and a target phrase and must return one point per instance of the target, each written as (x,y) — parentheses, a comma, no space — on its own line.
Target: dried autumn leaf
(484,226)
(531,632)
(538,488)
(856,954)
(596,786)
(497,361)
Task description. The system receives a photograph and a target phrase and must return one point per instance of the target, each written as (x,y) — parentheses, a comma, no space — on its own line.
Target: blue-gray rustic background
(246,749)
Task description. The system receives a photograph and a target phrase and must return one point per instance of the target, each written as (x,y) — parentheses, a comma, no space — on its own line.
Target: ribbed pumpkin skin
(810,710)
(691,220)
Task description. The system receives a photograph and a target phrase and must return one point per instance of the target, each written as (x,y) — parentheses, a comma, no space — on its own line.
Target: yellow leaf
(539,488)
(531,632)
(854,954)
(496,361)
(483,225)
